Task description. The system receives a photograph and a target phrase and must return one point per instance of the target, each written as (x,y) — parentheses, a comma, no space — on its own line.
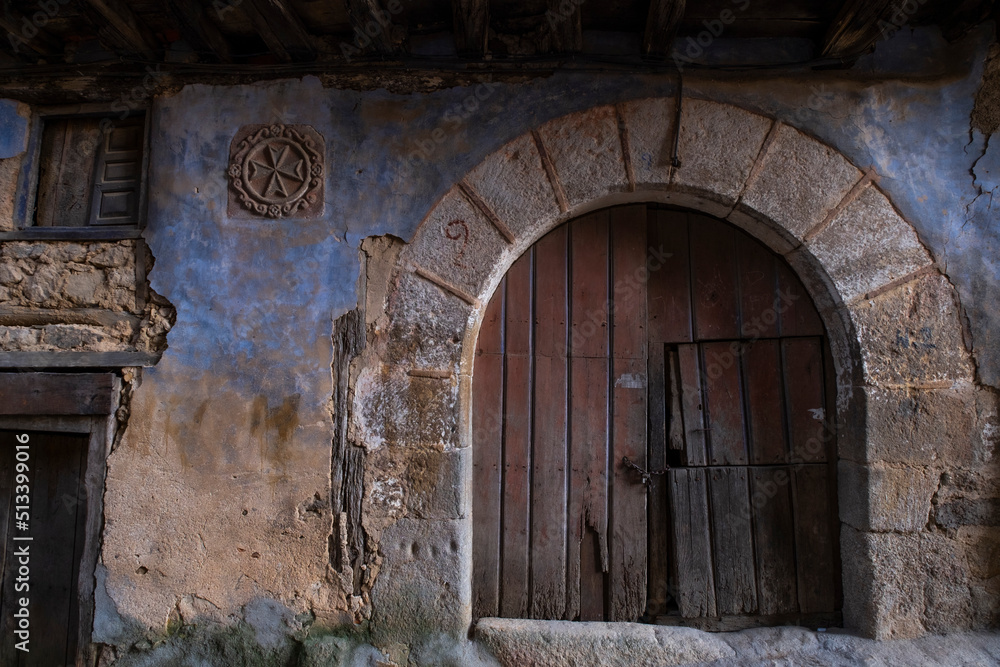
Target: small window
(90,172)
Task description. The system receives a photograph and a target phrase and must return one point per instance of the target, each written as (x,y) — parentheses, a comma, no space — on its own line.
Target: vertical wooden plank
(803,370)
(798,315)
(724,404)
(814,543)
(692,548)
(774,540)
(589,298)
(692,405)
(58,472)
(757,279)
(549,445)
(765,403)
(669,292)
(735,579)
(487,460)
(713,279)
(659,540)
(588,509)
(517,439)
(628,557)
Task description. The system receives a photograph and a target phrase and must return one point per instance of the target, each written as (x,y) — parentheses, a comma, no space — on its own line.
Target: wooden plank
(661,27)
(724,404)
(758,282)
(41,42)
(364,13)
(814,543)
(490,339)
(20,316)
(674,390)
(565,26)
(56,393)
(517,440)
(774,540)
(129,30)
(590,254)
(692,405)
(669,291)
(629,280)
(487,450)
(76,359)
(66,170)
(588,489)
(627,579)
(765,403)
(692,547)
(713,279)
(856,28)
(659,533)
(798,316)
(471,19)
(282,30)
(735,579)
(198,30)
(803,377)
(628,494)
(549,446)
(56,476)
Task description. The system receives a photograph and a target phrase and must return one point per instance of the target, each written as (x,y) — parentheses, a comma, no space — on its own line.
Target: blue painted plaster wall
(13,129)
(255,299)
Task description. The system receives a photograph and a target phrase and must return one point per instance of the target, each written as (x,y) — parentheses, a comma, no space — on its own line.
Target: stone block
(911,335)
(569,643)
(881,498)
(513,183)
(428,482)
(919,426)
(650,124)
(458,243)
(719,144)
(764,230)
(799,181)
(898,586)
(424,583)
(868,245)
(394,408)
(586,151)
(427,324)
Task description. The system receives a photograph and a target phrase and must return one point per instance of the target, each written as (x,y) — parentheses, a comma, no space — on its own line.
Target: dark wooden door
(651,437)
(56,468)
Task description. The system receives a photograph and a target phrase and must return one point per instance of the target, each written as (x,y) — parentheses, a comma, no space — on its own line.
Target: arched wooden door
(650,431)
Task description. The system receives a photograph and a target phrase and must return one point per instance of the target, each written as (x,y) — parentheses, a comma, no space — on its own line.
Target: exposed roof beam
(856,28)
(198,29)
(24,34)
(661,27)
(372,22)
(281,29)
(566,25)
(471,20)
(124,27)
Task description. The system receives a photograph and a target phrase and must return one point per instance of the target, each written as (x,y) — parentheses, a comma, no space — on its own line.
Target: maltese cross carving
(276,171)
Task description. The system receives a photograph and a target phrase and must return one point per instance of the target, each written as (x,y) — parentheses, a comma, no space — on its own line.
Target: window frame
(25,203)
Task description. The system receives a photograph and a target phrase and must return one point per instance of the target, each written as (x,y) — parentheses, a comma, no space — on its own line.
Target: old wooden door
(55,526)
(650,431)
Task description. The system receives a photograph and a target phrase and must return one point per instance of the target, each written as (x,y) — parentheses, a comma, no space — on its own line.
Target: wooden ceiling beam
(471,20)
(124,27)
(198,29)
(661,27)
(372,22)
(566,25)
(856,28)
(281,29)
(24,35)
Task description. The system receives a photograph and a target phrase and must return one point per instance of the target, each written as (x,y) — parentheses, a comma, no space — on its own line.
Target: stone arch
(891,316)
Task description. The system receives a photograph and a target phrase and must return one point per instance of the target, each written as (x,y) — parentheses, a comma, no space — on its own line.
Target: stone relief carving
(276,171)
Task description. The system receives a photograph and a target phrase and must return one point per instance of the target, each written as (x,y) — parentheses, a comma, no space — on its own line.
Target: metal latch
(647,475)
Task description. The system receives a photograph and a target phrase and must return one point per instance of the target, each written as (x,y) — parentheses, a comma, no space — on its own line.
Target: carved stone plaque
(276,171)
